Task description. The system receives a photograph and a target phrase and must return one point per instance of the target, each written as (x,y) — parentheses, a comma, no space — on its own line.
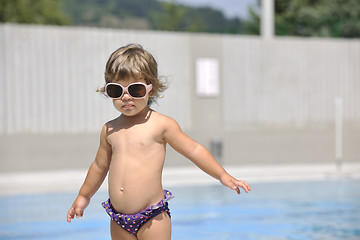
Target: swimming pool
(278,210)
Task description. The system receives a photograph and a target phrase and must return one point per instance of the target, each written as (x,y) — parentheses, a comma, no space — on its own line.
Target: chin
(129,113)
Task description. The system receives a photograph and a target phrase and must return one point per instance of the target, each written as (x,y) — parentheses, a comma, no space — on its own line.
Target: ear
(151,94)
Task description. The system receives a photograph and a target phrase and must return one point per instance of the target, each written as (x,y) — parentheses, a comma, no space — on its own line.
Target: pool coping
(72,179)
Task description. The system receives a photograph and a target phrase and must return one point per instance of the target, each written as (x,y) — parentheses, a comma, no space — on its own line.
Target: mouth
(128,106)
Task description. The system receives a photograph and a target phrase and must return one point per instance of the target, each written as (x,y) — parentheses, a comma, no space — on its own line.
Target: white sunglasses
(137,90)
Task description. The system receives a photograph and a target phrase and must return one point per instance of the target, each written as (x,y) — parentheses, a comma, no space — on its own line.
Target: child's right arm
(95,176)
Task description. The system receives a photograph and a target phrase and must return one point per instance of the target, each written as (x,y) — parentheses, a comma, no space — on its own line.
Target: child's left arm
(199,155)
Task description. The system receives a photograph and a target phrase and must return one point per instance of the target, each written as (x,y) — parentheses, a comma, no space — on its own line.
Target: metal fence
(290,81)
(48,78)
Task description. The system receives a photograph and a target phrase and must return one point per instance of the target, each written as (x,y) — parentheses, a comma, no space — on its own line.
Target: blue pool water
(285,210)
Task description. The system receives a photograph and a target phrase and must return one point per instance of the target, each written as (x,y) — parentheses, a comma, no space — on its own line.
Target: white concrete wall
(49,76)
(276,101)
(289,81)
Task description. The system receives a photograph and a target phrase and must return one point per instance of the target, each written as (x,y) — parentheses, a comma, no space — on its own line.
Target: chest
(136,138)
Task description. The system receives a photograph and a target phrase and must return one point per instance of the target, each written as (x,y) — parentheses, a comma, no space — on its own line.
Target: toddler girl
(132,151)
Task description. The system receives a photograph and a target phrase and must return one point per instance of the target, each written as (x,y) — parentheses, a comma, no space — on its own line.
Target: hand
(231,182)
(78,207)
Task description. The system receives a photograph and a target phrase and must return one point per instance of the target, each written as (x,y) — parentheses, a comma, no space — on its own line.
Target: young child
(132,150)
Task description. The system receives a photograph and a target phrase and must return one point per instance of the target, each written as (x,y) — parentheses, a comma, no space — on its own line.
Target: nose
(126,96)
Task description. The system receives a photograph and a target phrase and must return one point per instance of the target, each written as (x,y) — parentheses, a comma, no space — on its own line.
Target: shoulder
(108,128)
(112,122)
(170,129)
(111,125)
(164,120)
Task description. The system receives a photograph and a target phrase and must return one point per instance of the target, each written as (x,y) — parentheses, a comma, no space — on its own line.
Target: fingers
(74,212)
(244,185)
(70,214)
(237,184)
(236,189)
(78,212)
(231,182)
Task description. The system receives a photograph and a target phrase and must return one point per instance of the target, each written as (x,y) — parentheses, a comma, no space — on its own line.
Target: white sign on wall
(207,77)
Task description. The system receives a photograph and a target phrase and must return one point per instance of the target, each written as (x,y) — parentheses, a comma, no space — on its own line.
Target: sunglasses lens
(137,90)
(114,91)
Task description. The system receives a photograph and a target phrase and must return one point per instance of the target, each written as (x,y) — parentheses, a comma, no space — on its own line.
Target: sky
(230,8)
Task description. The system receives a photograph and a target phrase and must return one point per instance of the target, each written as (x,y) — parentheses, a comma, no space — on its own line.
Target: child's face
(128,105)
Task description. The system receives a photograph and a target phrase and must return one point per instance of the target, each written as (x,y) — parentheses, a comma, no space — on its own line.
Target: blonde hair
(134,61)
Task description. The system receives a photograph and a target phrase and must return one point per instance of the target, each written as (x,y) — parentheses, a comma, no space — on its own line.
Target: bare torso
(138,153)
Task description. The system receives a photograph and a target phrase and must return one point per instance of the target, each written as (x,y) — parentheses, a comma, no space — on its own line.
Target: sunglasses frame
(148,88)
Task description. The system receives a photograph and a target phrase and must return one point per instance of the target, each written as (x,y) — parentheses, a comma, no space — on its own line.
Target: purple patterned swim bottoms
(133,222)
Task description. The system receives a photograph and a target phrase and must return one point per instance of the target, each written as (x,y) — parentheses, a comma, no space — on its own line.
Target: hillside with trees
(129,14)
(320,18)
(33,12)
(149,14)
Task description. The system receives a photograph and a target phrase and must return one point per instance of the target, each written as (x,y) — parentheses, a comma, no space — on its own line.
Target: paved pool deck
(72,179)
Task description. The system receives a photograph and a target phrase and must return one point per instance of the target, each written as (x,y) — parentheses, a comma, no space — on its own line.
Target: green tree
(33,11)
(169,18)
(252,24)
(177,17)
(322,18)
(112,13)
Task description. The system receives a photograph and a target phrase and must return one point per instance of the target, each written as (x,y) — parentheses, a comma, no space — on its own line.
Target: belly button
(122,189)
